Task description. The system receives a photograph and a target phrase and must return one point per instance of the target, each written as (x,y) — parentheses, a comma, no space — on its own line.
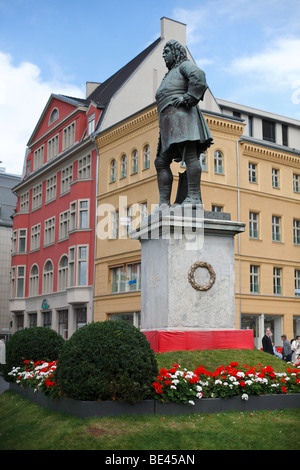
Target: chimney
(90,87)
(171,29)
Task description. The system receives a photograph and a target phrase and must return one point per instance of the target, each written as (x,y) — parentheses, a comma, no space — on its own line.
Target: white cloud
(23,96)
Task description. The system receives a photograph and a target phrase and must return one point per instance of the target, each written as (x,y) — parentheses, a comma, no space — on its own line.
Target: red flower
(283,389)
(242,383)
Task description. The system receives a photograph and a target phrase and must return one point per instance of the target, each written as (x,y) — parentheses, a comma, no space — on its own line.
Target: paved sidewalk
(3,385)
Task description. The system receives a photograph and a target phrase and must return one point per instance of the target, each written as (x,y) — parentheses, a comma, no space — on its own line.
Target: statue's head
(178,53)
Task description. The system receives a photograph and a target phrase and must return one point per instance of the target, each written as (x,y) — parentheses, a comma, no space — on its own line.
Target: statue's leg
(193,170)
(164,179)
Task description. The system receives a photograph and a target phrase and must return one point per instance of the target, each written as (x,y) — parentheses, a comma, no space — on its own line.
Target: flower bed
(38,376)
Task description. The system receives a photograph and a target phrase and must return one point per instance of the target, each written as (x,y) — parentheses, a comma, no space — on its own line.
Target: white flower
(240,374)
(173,387)
(245,396)
(248,382)
(191,402)
(218,382)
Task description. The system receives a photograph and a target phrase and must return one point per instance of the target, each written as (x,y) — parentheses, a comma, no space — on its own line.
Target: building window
(252,173)
(82,265)
(250,126)
(53,116)
(297,282)
(203,161)
(63,323)
(13,281)
(72,218)
(277,287)
(218,162)
(216,208)
(49,231)
(48,278)
(24,202)
(32,319)
(34,281)
(38,158)
(126,278)
(296,231)
(22,240)
(276,228)
(124,166)
(285,135)
(69,136)
(275,178)
(84,167)
(253,225)
(66,179)
(63,225)
(133,318)
(115,225)
(91,123)
(47,319)
(83,214)
(80,317)
(296,183)
(62,278)
(268,130)
(51,188)
(14,242)
(146,157)
(37,196)
(254,279)
(20,322)
(113,171)
(135,162)
(20,281)
(35,237)
(71,267)
(52,151)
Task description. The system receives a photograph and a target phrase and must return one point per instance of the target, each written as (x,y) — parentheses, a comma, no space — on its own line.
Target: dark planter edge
(89,409)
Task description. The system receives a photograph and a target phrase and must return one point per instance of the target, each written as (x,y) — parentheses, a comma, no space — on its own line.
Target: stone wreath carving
(191,276)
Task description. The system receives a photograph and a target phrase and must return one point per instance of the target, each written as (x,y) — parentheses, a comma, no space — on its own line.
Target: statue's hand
(178,102)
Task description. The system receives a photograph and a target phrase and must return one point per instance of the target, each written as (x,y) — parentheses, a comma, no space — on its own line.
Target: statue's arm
(196,83)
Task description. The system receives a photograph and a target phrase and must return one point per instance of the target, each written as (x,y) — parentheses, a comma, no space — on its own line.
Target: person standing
(267,342)
(2,354)
(286,349)
(295,348)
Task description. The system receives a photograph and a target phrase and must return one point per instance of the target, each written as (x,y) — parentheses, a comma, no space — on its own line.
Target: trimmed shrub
(36,343)
(110,360)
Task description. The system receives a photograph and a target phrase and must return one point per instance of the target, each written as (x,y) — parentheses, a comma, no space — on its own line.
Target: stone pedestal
(187,271)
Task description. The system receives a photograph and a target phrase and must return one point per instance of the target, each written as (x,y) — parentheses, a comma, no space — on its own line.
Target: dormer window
(53,116)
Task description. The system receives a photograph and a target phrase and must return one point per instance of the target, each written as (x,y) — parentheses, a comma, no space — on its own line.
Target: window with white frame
(296,231)
(63,323)
(34,281)
(66,179)
(69,136)
(203,161)
(135,161)
(35,238)
(113,171)
(254,279)
(84,167)
(20,281)
(38,158)
(53,116)
(14,242)
(48,277)
(252,173)
(276,228)
(253,224)
(37,196)
(115,225)
(275,178)
(83,214)
(296,183)
(126,278)
(91,123)
(218,162)
(24,202)
(124,166)
(277,281)
(49,231)
(52,150)
(62,278)
(146,157)
(82,265)
(22,245)
(216,208)
(297,282)
(71,282)
(51,188)
(13,281)
(72,219)
(63,225)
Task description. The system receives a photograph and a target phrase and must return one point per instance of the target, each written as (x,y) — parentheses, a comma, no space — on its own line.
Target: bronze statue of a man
(184,133)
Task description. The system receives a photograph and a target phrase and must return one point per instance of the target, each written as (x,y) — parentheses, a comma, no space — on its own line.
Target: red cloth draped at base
(162,341)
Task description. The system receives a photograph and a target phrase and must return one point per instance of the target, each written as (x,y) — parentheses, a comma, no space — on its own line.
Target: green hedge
(110,360)
(36,343)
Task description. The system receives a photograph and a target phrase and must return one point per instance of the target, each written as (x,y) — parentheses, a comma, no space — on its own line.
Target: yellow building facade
(238,177)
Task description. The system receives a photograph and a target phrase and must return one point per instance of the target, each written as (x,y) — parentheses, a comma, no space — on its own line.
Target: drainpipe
(93,139)
(239,219)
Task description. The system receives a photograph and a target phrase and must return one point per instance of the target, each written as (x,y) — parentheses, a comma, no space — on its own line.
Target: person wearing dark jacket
(267,342)
(286,349)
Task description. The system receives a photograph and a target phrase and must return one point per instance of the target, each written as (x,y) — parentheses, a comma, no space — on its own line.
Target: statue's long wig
(178,51)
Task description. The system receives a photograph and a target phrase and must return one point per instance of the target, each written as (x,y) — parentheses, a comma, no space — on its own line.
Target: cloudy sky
(249,49)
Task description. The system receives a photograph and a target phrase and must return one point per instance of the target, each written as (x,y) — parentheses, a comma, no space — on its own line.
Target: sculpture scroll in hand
(184,134)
